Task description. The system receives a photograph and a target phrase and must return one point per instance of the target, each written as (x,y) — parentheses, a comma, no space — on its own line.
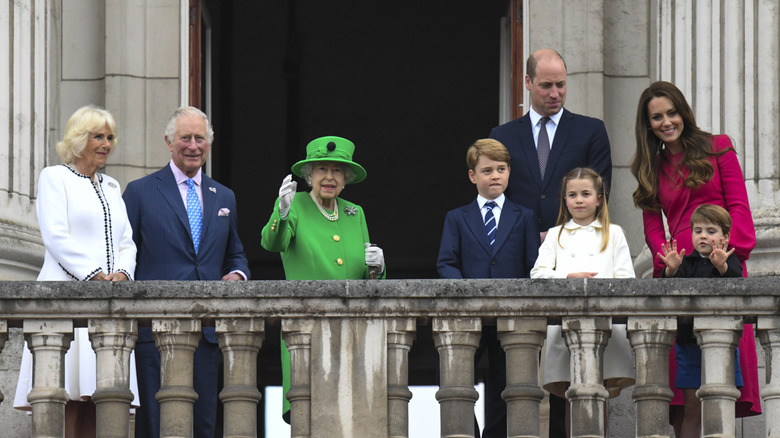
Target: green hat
(334,149)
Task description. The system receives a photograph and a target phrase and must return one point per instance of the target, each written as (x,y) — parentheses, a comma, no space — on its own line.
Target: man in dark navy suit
(573,140)
(185,228)
(568,140)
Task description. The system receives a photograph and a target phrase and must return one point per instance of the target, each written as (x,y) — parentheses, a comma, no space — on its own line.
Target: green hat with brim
(336,149)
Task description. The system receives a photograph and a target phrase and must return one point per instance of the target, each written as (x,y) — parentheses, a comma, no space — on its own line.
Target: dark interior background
(411,83)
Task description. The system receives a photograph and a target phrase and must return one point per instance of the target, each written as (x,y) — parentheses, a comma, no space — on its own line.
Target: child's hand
(718,256)
(582,275)
(671,257)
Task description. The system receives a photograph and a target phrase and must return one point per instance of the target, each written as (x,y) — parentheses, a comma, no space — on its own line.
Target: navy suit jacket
(579,141)
(466,253)
(161,231)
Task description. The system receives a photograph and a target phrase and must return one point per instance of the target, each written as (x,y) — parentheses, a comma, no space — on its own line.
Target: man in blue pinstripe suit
(185,228)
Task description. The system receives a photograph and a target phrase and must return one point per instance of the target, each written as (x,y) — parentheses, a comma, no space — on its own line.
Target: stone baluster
(769,335)
(3,338)
(522,339)
(718,337)
(586,338)
(652,339)
(400,335)
(48,341)
(457,340)
(297,336)
(177,340)
(113,340)
(240,340)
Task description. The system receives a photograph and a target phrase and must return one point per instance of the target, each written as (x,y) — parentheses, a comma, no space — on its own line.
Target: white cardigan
(580,251)
(85,229)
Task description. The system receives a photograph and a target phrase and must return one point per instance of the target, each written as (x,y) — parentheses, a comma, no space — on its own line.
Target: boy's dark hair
(488,147)
(712,214)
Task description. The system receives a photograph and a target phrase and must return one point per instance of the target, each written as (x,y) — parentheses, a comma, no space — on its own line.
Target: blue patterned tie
(193,213)
(490,222)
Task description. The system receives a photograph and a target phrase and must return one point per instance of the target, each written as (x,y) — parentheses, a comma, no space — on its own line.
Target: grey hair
(308,168)
(170,128)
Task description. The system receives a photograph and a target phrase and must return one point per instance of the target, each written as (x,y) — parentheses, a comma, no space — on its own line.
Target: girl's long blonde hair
(602,214)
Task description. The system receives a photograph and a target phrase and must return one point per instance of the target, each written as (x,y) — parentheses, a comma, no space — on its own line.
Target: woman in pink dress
(679,167)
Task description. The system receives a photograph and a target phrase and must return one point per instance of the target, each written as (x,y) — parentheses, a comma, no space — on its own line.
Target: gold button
(274,220)
(340,262)
(336,237)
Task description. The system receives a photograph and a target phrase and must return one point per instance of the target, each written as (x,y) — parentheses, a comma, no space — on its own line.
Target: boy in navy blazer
(491,237)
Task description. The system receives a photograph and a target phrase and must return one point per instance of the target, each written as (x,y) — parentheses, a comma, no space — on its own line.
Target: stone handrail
(357,334)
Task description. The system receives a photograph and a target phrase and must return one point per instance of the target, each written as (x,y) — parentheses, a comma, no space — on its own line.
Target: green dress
(315,248)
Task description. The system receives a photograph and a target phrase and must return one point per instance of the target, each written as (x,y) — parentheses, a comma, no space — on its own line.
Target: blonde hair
(602,214)
(712,214)
(87,119)
(488,147)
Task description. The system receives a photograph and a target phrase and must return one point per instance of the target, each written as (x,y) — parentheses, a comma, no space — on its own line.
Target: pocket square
(224,212)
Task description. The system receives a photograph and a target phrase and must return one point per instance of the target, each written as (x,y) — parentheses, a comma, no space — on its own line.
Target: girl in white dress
(585,245)
(87,236)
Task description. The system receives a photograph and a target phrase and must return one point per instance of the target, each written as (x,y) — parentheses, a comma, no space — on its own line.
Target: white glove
(375,257)
(286,194)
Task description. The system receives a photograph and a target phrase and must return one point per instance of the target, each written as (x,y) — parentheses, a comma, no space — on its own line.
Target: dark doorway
(412,83)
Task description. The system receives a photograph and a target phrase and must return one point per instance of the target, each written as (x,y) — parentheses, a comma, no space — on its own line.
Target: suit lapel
(509,215)
(562,133)
(170,191)
(526,135)
(209,190)
(477,225)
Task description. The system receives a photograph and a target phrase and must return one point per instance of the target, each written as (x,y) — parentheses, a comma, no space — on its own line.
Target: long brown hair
(602,214)
(696,146)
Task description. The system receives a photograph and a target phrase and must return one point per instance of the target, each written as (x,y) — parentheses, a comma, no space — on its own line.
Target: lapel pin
(213,190)
(111,184)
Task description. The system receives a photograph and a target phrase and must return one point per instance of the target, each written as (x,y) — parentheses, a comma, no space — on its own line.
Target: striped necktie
(490,222)
(194,213)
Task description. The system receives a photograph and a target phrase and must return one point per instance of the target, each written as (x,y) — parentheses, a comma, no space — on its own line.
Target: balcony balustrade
(349,343)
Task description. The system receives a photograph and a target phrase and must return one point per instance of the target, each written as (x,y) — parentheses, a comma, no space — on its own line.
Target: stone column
(3,338)
(240,340)
(29,34)
(177,340)
(457,340)
(48,341)
(113,340)
(400,336)
(769,335)
(718,337)
(522,339)
(652,339)
(297,335)
(586,339)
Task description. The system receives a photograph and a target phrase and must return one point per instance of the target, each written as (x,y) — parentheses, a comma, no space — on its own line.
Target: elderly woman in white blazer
(87,236)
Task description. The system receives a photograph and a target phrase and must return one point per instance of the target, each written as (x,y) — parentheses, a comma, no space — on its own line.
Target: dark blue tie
(490,222)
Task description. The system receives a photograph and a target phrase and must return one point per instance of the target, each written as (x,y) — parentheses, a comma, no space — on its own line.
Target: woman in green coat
(319,235)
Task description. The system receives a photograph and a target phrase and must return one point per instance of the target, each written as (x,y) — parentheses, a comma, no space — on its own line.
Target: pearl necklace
(329,216)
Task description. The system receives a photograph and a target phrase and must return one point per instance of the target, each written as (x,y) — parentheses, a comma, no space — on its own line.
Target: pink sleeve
(655,236)
(743,233)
